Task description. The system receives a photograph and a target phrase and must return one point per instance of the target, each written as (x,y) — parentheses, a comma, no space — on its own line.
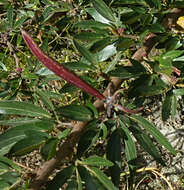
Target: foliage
(96,40)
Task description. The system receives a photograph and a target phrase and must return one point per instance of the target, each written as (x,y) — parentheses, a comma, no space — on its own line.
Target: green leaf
(155,3)
(173,107)
(77,65)
(22,108)
(130,149)
(172,54)
(97,16)
(114,148)
(87,178)
(12,178)
(4,168)
(102,178)
(86,53)
(13,135)
(72,185)
(92,108)
(169,106)
(104,129)
(103,9)
(49,149)
(166,107)
(88,24)
(88,138)
(29,143)
(124,43)
(97,161)
(159,137)
(37,124)
(107,52)
(178,92)
(76,112)
(149,90)
(156,28)
(60,178)
(89,36)
(45,98)
(4,185)
(20,21)
(125,72)
(10,16)
(64,133)
(79,181)
(10,163)
(144,140)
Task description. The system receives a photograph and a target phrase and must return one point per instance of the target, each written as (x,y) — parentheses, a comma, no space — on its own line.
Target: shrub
(122,53)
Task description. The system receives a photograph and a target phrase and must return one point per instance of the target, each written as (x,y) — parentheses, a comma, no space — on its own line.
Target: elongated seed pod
(59,69)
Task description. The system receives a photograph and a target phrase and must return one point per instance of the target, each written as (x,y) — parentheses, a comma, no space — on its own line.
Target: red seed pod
(58,69)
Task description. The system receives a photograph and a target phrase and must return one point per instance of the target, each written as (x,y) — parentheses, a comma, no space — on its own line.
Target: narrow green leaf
(87,178)
(97,16)
(173,106)
(130,149)
(20,21)
(10,16)
(159,137)
(13,135)
(60,178)
(44,97)
(4,185)
(89,36)
(154,3)
(125,72)
(92,108)
(124,43)
(166,107)
(97,161)
(76,112)
(22,108)
(28,144)
(104,10)
(88,138)
(77,65)
(149,90)
(36,124)
(72,185)
(79,181)
(86,53)
(156,28)
(113,153)
(178,92)
(144,140)
(172,54)
(49,149)
(10,163)
(87,24)
(63,134)
(107,52)
(102,178)
(104,129)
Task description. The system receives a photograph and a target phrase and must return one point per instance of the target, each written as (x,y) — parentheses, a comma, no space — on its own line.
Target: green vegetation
(130,51)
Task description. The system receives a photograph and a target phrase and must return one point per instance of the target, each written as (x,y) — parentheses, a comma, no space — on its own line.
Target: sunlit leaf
(97,161)
(22,108)
(159,137)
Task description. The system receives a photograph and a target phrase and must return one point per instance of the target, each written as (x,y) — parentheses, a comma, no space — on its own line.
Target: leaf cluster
(97,40)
